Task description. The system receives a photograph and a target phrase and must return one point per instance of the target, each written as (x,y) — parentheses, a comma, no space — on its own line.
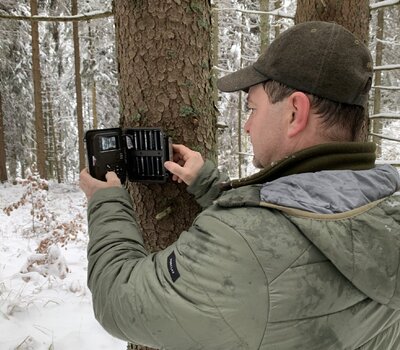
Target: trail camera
(137,153)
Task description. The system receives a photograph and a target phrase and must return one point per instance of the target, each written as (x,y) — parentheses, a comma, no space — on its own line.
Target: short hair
(337,116)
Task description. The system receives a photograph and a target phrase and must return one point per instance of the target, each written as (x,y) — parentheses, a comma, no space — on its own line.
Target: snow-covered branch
(382,4)
(386,115)
(386,87)
(83,17)
(387,67)
(391,42)
(277,12)
(219,69)
(384,137)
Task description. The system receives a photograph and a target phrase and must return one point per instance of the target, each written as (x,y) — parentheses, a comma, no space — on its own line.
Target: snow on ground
(39,309)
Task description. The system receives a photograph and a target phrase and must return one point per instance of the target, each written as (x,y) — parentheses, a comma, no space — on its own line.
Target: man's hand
(186,164)
(90,185)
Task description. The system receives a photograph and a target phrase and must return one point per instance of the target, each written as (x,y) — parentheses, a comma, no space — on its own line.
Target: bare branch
(385,116)
(277,12)
(384,137)
(219,69)
(77,18)
(382,4)
(386,87)
(387,67)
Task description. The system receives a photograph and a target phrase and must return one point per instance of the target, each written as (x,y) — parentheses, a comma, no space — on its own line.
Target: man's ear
(300,109)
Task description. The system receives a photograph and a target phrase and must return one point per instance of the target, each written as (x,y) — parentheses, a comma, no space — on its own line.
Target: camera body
(136,154)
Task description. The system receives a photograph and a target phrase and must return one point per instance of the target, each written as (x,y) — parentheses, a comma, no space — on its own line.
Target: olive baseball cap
(320,58)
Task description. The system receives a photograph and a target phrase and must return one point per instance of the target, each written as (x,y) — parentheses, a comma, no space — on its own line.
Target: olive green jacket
(251,274)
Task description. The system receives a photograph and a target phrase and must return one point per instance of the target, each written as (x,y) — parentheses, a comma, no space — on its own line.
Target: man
(302,255)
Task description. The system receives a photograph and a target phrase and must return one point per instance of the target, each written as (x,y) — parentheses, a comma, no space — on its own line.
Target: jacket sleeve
(206,187)
(206,291)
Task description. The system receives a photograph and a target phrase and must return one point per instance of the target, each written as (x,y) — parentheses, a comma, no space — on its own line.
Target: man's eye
(249,109)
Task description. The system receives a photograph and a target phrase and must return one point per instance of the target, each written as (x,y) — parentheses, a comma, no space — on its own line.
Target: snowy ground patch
(44,300)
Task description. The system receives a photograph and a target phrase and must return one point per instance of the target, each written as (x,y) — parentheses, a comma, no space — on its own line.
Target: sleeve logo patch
(172,269)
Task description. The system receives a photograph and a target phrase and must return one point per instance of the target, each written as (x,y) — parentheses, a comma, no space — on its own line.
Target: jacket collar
(328,156)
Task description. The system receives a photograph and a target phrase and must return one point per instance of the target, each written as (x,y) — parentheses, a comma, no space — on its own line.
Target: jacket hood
(352,217)
(328,192)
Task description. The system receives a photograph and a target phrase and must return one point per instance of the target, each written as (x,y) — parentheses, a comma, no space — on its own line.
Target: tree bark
(278,5)
(37,87)
(351,14)
(164,63)
(264,25)
(215,49)
(48,117)
(58,135)
(93,87)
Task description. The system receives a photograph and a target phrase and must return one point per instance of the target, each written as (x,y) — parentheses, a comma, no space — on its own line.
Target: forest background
(59,76)
(86,56)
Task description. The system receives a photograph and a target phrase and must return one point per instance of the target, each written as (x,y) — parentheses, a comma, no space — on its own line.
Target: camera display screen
(108,143)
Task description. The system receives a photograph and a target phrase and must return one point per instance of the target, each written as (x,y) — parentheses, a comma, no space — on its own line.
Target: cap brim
(242,79)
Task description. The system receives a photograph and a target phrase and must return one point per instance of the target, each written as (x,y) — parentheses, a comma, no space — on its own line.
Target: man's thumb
(112,178)
(173,168)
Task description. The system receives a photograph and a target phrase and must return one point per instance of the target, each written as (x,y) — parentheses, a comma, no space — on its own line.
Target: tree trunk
(377,126)
(278,5)
(264,25)
(54,165)
(240,102)
(78,85)
(351,14)
(93,73)
(94,105)
(37,87)
(57,134)
(164,61)
(215,49)
(3,166)
(59,146)
(46,119)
